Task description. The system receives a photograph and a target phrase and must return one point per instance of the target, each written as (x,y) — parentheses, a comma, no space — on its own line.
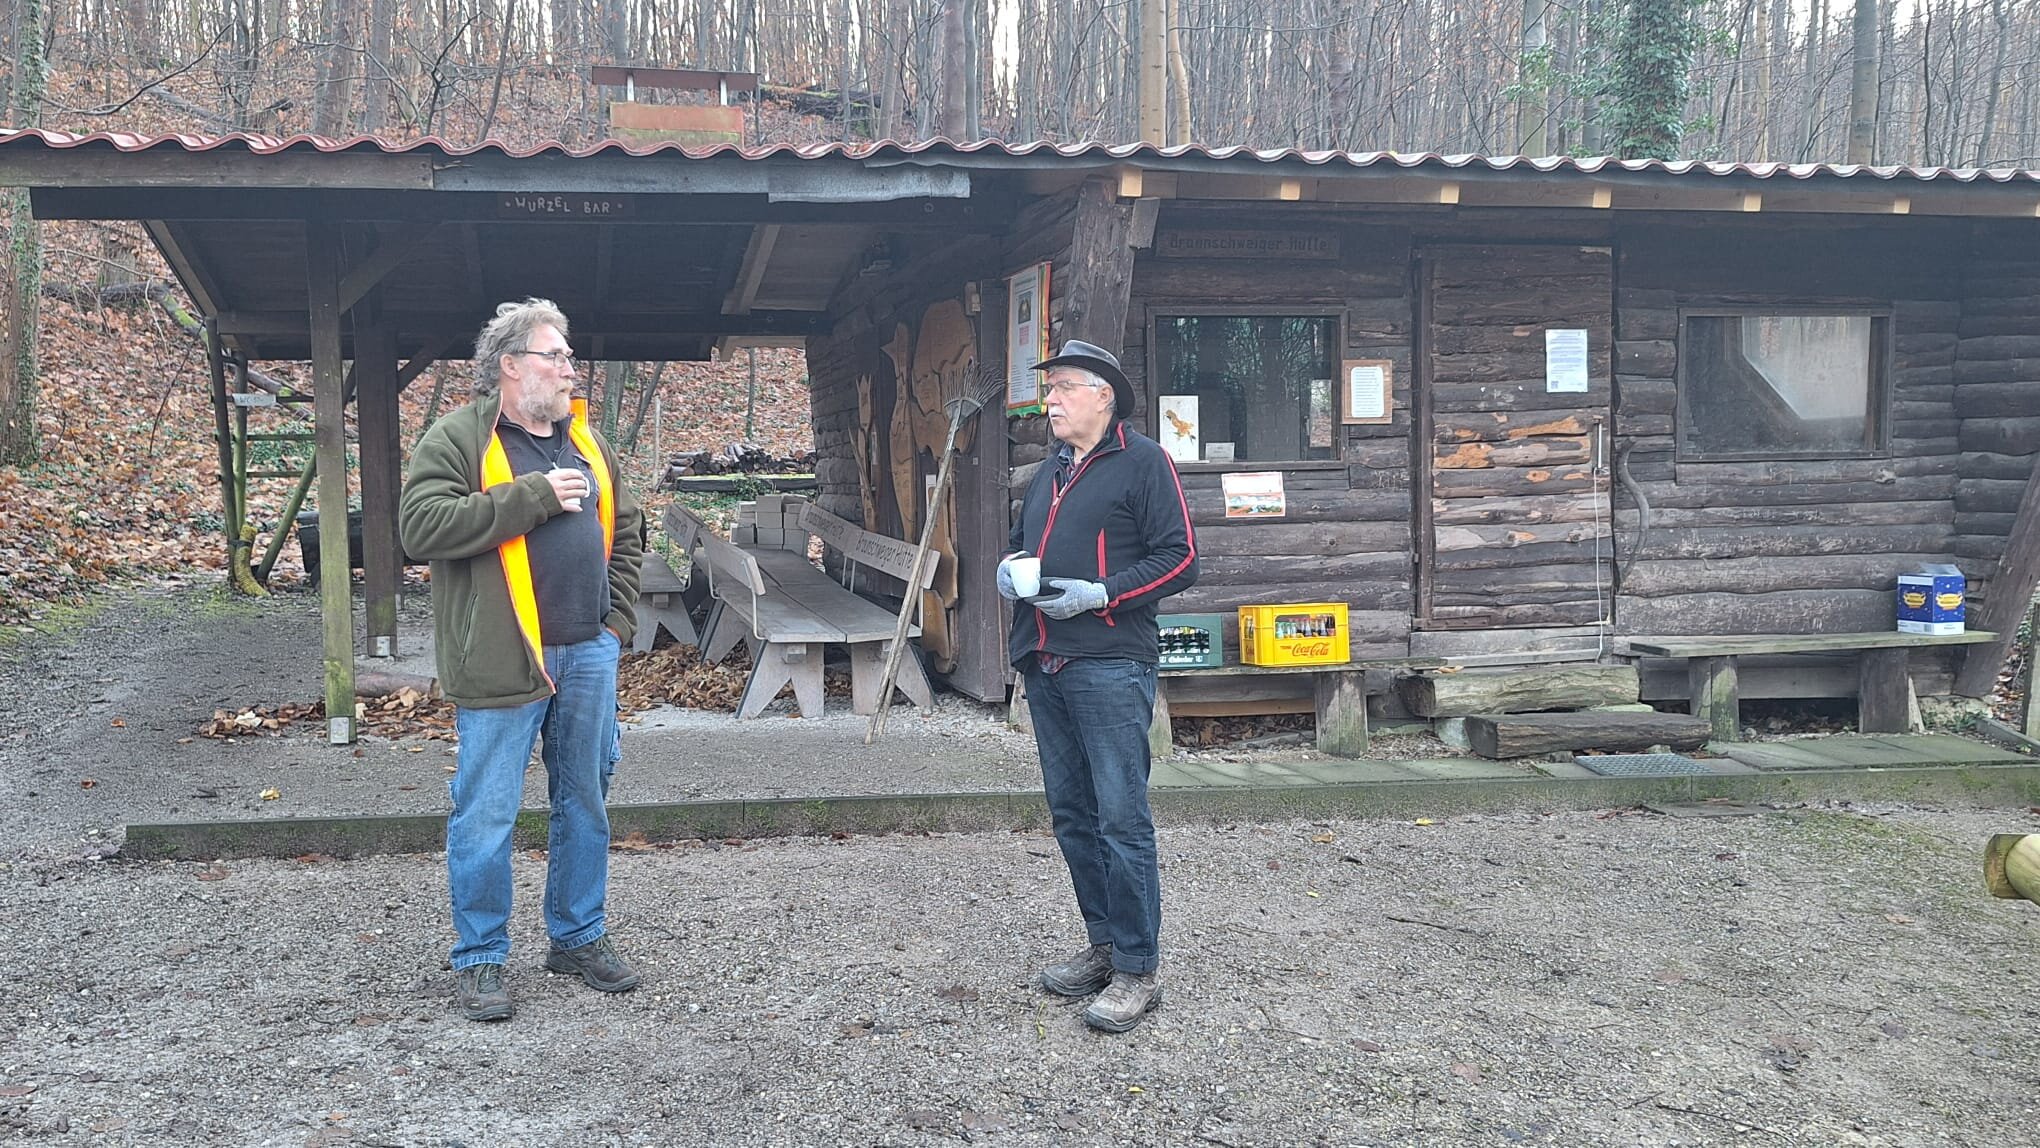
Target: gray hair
(510,331)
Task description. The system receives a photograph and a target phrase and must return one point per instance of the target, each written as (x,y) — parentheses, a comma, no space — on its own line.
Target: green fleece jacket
(446,518)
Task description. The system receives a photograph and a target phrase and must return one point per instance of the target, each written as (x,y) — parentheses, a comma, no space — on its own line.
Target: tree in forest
(1863,84)
(1647,90)
(19,442)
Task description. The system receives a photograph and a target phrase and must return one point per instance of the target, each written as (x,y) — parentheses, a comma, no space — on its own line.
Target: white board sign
(1565,360)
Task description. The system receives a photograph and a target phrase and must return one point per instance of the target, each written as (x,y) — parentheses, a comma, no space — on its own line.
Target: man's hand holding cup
(569,484)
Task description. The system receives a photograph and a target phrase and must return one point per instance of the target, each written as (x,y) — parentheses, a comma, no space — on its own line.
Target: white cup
(568,503)
(1025,574)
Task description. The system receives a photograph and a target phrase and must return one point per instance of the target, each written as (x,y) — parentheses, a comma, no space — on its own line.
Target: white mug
(1025,574)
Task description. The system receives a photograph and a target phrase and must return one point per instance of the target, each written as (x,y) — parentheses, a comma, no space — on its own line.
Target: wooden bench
(664,598)
(787,612)
(1883,689)
(1339,700)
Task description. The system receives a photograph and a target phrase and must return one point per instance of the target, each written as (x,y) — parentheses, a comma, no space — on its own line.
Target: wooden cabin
(1515,411)
(1623,400)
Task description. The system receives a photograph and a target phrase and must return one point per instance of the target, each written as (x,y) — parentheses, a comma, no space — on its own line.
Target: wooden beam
(197,281)
(1752,201)
(174,167)
(1884,693)
(336,590)
(2009,596)
(376,388)
(751,273)
(1130,179)
(1101,270)
(427,354)
(434,324)
(391,251)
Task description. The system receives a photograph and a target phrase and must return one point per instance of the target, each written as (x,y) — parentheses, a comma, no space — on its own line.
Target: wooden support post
(1161,733)
(375,397)
(1342,713)
(2008,598)
(2032,722)
(1883,692)
(336,597)
(1101,269)
(1711,683)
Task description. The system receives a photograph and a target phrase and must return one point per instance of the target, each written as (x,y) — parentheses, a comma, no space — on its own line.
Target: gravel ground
(1811,976)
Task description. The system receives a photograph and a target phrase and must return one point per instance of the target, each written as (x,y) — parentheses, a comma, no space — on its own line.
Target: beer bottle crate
(1192,641)
(1295,634)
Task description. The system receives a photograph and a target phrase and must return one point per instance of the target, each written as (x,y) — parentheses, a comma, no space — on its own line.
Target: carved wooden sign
(874,550)
(1247,244)
(562,205)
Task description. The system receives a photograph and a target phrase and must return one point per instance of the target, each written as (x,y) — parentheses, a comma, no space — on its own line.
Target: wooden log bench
(1883,690)
(1338,701)
(665,598)
(788,612)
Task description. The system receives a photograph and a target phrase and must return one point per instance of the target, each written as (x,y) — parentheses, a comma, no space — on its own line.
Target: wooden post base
(867,669)
(1342,713)
(1711,683)
(777,664)
(1161,734)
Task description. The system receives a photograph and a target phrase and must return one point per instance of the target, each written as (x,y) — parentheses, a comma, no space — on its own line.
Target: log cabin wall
(1782,546)
(1996,377)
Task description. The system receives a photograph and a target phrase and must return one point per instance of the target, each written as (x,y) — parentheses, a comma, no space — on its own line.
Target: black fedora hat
(1099,361)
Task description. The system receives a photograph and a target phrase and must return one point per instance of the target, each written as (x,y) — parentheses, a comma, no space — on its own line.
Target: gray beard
(543,408)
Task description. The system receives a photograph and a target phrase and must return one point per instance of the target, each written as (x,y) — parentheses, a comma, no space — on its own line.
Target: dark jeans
(1091,725)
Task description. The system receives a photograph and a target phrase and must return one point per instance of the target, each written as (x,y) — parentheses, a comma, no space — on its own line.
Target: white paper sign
(1565,360)
(1367,392)
(1179,427)
(1026,337)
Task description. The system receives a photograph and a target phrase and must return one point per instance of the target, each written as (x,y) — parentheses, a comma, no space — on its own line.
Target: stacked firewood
(737,458)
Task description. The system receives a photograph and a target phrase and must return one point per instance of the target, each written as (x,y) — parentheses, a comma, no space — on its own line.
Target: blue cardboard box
(1930,600)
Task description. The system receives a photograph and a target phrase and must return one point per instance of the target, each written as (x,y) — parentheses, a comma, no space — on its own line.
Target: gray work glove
(1076,596)
(1006,590)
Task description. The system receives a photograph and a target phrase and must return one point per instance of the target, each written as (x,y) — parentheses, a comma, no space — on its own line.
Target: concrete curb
(2015,785)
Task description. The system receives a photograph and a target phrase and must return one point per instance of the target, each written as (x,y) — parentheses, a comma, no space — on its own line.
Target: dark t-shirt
(569,573)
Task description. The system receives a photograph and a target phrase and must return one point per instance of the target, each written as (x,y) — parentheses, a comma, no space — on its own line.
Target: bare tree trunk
(1153,85)
(502,63)
(20,443)
(1179,78)
(1996,82)
(375,85)
(1533,65)
(1863,85)
(335,94)
(950,118)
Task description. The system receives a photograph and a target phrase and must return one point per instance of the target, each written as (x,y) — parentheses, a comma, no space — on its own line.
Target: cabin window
(1249,388)
(1757,385)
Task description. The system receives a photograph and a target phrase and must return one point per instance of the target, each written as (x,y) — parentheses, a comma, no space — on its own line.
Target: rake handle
(912,599)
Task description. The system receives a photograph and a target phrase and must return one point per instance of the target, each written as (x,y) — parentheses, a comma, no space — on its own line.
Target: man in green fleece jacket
(535,548)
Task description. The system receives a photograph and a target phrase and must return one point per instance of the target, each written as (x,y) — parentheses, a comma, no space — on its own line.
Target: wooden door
(1516,530)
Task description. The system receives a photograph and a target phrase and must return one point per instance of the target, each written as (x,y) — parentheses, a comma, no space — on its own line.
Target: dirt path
(1818,976)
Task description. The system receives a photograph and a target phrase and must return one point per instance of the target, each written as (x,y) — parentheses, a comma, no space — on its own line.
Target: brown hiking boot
(1124,1002)
(1081,975)
(481,994)
(598,963)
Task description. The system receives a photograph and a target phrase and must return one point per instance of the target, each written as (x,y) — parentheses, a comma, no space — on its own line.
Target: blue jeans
(577,725)
(1091,725)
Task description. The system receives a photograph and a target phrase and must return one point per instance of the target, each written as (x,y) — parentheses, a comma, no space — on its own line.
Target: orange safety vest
(516,558)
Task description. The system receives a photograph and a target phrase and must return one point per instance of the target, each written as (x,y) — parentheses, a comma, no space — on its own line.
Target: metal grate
(1641,764)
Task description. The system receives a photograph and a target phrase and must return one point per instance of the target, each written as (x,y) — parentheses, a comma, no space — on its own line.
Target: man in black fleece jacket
(1107,517)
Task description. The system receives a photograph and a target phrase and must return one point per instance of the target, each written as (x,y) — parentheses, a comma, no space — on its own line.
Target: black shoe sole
(487,1012)
(561,963)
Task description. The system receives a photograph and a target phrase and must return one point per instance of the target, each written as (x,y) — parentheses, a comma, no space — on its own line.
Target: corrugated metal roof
(936,151)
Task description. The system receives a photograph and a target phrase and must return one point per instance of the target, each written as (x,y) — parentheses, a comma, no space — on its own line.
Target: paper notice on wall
(1253,494)
(1179,427)
(1565,360)
(1366,391)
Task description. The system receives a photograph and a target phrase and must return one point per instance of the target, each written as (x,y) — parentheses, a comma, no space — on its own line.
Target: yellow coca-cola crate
(1295,634)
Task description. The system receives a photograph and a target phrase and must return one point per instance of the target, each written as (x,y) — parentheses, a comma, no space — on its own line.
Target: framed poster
(1179,427)
(1254,494)
(1367,391)
(1026,338)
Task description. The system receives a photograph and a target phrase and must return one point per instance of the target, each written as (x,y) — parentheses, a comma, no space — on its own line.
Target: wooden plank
(375,363)
(1522,735)
(877,551)
(1519,691)
(1341,706)
(2010,596)
(336,583)
(1100,278)
(1883,693)
(1708,646)
(1713,696)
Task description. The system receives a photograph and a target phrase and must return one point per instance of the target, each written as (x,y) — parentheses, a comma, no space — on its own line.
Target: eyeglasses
(556,358)
(1070,386)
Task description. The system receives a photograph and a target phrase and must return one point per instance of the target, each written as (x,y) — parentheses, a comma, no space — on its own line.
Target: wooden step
(1521,690)
(1524,735)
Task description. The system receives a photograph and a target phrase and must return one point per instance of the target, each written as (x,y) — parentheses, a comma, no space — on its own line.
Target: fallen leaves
(271,794)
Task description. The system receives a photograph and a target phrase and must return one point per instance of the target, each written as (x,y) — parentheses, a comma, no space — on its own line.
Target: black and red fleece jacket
(1118,517)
